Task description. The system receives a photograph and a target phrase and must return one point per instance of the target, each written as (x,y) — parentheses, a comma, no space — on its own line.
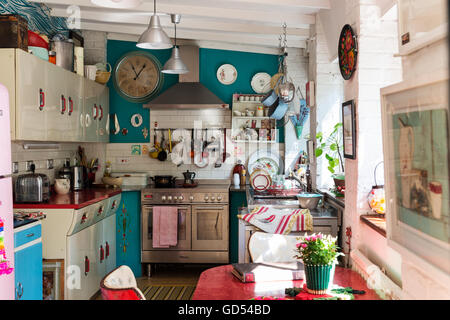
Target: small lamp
(376,196)
(175,65)
(154,37)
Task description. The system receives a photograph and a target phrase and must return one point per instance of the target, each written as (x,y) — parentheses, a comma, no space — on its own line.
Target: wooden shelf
(253,141)
(375,221)
(251,118)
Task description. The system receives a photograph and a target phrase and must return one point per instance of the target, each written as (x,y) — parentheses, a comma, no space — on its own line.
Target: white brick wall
(174,119)
(115,152)
(40,157)
(297,65)
(329,97)
(94,47)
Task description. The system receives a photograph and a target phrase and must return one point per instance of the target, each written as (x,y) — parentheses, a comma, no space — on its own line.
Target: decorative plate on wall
(348,52)
(226,74)
(261,82)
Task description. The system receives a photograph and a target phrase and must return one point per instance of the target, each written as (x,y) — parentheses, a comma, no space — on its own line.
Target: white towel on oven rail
(279,221)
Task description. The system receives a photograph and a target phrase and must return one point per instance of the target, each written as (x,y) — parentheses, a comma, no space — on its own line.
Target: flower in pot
(319,255)
(331,148)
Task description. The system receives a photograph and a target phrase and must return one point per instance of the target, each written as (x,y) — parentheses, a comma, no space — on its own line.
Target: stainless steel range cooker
(203,223)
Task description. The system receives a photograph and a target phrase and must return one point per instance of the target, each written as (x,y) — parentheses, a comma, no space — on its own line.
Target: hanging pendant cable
(175,25)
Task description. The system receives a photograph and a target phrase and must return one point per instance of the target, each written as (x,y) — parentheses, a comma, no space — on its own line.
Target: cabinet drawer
(27,235)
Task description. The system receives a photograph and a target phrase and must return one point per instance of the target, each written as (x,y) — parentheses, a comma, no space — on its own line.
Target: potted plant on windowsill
(331,148)
(319,255)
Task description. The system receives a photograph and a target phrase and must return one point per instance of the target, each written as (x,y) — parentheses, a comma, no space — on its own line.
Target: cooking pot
(279,111)
(271,98)
(286,91)
(64,53)
(164,181)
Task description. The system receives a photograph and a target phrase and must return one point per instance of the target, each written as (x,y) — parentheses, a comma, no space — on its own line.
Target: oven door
(184,229)
(210,227)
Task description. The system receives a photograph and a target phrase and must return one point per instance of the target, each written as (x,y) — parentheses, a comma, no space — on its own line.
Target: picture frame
(416,151)
(310,151)
(349,129)
(53,279)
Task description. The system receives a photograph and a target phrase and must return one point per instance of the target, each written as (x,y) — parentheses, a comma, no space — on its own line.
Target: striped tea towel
(279,221)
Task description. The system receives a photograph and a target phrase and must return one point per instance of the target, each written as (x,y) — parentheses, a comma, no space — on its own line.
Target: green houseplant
(319,255)
(331,147)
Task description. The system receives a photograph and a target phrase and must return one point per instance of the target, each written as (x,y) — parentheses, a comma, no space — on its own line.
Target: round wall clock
(348,52)
(137,76)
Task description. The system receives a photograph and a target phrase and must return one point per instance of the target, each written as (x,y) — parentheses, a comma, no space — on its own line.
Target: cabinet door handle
(209,208)
(101,113)
(19,290)
(102,254)
(86,265)
(30,235)
(63,106)
(107,249)
(70,106)
(88,120)
(41,99)
(94,112)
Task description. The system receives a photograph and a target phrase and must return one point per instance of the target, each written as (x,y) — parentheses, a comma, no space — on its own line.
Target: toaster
(32,187)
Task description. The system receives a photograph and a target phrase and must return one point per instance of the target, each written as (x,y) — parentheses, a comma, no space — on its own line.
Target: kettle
(189,177)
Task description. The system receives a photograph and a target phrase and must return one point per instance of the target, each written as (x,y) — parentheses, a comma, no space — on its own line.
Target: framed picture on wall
(349,129)
(417,176)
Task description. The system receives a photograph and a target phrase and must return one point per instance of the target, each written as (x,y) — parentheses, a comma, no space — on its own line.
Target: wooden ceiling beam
(186,23)
(292,19)
(261,40)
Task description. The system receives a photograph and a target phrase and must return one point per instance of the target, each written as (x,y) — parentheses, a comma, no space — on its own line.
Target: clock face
(137,76)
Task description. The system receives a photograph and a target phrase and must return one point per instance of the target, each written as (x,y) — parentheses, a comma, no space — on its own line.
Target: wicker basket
(103,76)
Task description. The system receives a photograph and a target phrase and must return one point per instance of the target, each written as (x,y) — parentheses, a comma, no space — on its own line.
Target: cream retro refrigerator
(6,202)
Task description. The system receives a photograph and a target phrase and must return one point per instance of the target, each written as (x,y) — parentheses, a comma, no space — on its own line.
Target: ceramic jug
(62,186)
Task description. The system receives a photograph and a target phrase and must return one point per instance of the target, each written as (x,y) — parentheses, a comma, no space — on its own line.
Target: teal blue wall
(246,64)
(125,109)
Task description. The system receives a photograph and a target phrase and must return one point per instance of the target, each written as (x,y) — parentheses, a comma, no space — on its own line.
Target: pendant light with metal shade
(154,37)
(175,65)
(118,4)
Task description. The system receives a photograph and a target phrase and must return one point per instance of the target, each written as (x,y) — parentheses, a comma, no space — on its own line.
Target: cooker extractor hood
(188,93)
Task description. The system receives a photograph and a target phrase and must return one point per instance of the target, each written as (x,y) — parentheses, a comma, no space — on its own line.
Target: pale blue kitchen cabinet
(28,262)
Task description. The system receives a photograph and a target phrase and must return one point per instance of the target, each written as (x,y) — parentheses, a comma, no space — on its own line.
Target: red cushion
(120,294)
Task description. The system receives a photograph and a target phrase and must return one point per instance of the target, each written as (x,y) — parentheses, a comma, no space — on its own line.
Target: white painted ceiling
(238,22)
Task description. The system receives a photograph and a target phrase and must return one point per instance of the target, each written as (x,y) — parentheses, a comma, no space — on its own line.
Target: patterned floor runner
(169,292)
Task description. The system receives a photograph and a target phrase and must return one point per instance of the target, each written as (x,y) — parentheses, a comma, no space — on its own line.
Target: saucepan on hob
(164,181)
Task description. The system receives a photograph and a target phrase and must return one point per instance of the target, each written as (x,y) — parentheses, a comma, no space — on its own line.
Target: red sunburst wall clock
(348,52)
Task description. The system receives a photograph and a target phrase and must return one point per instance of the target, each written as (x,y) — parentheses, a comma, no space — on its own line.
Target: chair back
(120,284)
(267,247)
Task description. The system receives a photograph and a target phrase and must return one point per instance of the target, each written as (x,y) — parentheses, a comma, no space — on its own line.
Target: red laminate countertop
(219,284)
(72,200)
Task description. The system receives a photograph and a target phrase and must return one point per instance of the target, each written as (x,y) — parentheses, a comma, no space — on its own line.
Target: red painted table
(72,200)
(219,284)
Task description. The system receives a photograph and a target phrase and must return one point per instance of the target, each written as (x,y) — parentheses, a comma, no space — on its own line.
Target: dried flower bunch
(317,249)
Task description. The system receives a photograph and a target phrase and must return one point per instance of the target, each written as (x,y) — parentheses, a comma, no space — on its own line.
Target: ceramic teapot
(62,186)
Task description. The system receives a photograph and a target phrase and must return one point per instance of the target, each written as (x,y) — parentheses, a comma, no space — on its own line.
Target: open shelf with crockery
(254,130)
